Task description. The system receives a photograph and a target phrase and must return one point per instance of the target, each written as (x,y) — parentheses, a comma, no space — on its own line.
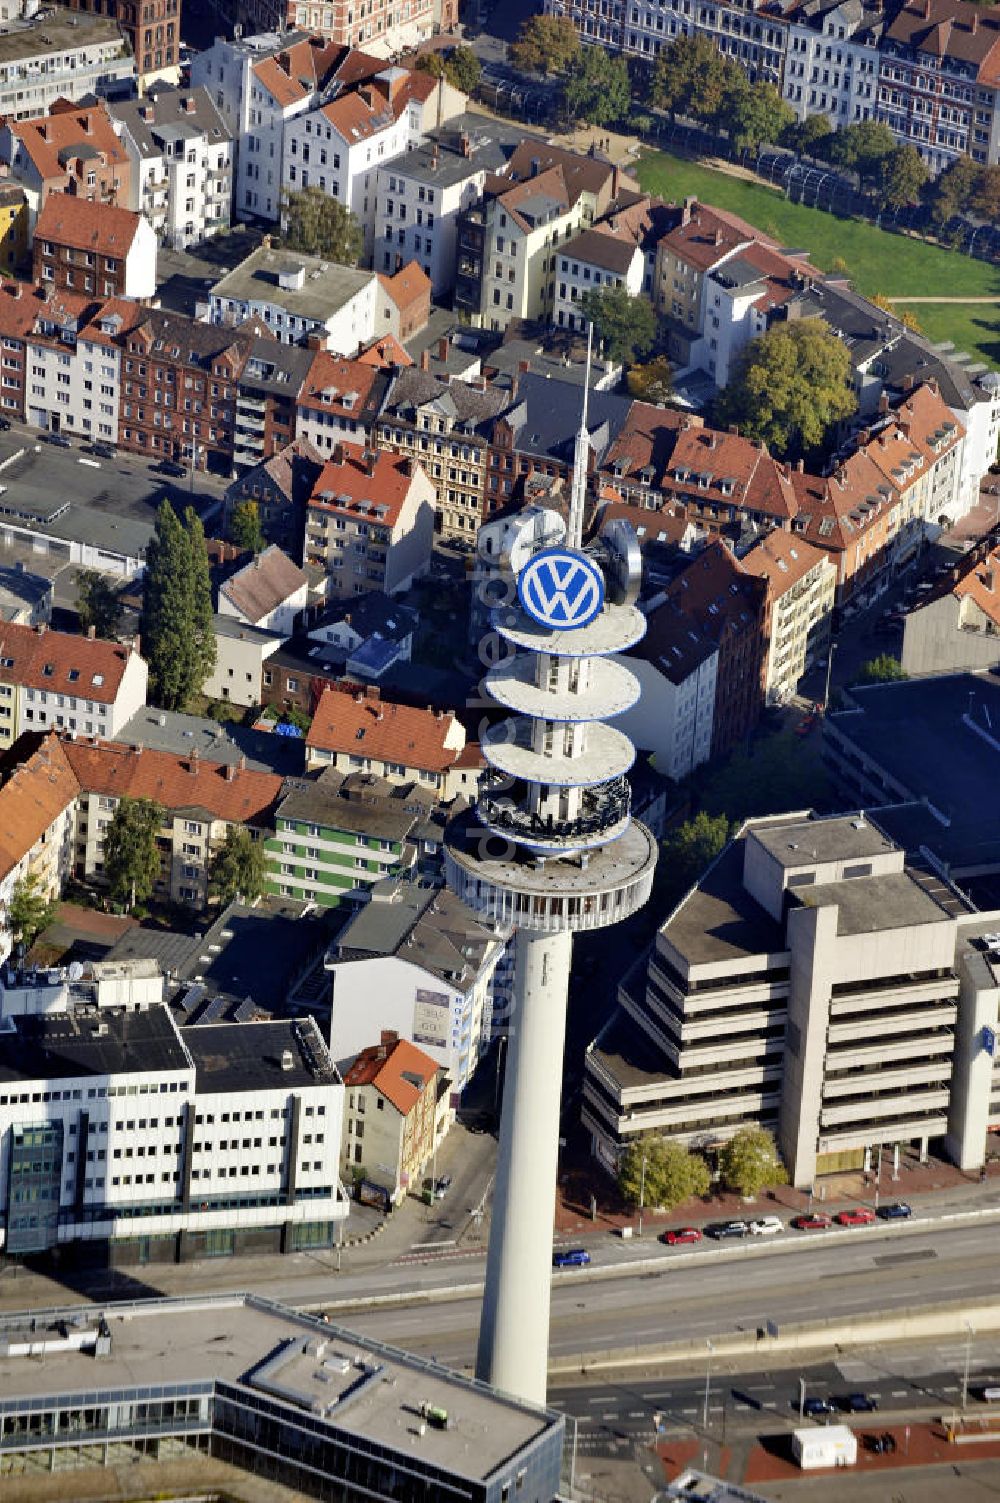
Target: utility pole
(968,1362)
(642,1190)
(829,673)
(802,1399)
(708,1383)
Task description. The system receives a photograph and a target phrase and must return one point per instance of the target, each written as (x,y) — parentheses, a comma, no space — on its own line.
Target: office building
(58,56)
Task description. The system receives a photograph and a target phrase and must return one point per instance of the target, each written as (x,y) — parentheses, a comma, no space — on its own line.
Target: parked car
(815,1407)
(859,1403)
(59,439)
(856,1216)
(442,1185)
(571,1257)
(896,1210)
(170,467)
(808,724)
(679,1234)
(104,451)
(5,424)
(722,1230)
(766,1226)
(815,1221)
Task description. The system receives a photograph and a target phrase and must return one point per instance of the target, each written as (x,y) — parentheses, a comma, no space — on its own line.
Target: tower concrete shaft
(518,1271)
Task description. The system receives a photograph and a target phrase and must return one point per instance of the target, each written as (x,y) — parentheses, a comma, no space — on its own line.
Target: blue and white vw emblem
(561,590)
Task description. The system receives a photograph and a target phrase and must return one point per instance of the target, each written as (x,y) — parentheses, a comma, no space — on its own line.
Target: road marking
(419,1246)
(611,1414)
(663,1393)
(899,1393)
(689,1411)
(952,1388)
(740,1405)
(92,464)
(637,1414)
(599,1400)
(769,1404)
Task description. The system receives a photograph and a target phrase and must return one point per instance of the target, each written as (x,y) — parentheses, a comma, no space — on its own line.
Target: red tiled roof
(709,234)
(61,662)
(967,33)
(345,486)
(385,352)
(409,285)
(331,378)
(32,798)
(360,723)
(718,593)
(981,585)
(782,559)
(77,222)
(46,137)
(398,1071)
(238,795)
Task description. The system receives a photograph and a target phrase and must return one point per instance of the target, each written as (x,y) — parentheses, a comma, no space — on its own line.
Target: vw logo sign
(561,590)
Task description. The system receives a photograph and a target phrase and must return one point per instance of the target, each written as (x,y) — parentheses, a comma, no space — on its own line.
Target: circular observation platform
(604,816)
(611,691)
(615,629)
(608,754)
(502,881)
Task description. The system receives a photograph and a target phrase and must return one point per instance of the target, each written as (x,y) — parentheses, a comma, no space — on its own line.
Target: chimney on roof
(800,466)
(189,104)
(148,114)
(14,288)
(40,628)
(988,579)
(465,144)
(241,762)
(425,360)
(193,763)
(389,1037)
(536,167)
(88,125)
(443,347)
(91,633)
(883,402)
(434,158)
(933,386)
(43,130)
(909,381)
(973,23)
(734,429)
(230,772)
(689,204)
(265,242)
(369,458)
(338,455)
(718,237)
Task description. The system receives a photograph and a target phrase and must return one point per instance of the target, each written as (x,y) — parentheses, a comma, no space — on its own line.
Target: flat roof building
(290,1398)
(814,983)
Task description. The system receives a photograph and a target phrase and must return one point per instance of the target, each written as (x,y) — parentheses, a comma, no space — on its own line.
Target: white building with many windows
(181,154)
(161,1142)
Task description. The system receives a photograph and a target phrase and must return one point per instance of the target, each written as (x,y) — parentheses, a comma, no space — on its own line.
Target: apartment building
(298,296)
(832,62)
(957,626)
(431,962)
(73,361)
(382,25)
(15,239)
(390,1129)
(339,400)
(340,146)
(73,150)
(801,589)
(357,730)
(742,298)
(38,819)
(271,592)
(259,84)
(53,680)
(594,259)
(816,984)
(161,1143)
(280,488)
(153,35)
(267,393)
(179,385)
(201,801)
(240,654)
(755,37)
(677,667)
(58,56)
(330,845)
(96,248)
(422,199)
(370,522)
(180,155)
(445,427)
(404,302)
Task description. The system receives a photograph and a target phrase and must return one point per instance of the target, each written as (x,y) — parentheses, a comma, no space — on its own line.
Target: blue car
(573,1257)
(898,1210)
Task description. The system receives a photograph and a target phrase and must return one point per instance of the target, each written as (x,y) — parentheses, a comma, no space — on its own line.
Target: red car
(815,1222)
(681,1234)
(858,1216)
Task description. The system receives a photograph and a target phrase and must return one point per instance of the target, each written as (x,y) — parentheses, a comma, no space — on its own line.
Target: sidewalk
(933,1186)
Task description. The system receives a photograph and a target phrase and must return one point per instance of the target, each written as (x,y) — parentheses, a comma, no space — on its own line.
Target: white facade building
(296,296)
(832,62)
(181,154)
(594,260)
(203,1139)
(677,668)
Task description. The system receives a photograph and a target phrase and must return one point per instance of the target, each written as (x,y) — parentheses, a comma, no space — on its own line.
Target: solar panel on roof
(214,1011)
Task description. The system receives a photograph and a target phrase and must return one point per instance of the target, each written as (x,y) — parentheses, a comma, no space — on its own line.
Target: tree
(671,1175)
(546,44)
(685,853)
(598,89)
(692,77)
(29,911)
(789,388)
(238,869)
(809,137)
(131,857)
(907,319)
(626,325)
(653,382)
(462,69)
(755,115)
(861,147)
(318,224)
(244,527)
(884,669)
(749,1162)
(430,62)
(986,198)
(177,637)
(953,191)
(97,604)
(900,175)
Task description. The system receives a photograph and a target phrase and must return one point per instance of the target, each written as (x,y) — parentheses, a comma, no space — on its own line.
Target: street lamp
(968,1361)
(802,1399)
(708,1383)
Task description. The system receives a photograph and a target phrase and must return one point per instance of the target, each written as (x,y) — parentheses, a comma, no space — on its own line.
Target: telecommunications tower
(550,848)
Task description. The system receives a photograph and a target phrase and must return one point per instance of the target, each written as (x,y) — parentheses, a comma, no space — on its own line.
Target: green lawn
(877,261)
